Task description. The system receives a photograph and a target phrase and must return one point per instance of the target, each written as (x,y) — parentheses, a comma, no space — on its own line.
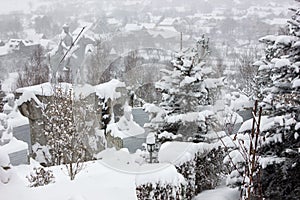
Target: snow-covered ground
(222,193)
(96,181)
(113,177)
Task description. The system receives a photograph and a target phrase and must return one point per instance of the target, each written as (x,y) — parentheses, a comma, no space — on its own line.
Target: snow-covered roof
(166,34)
(148,25)
(14,43)
(168,21)
(132,27)
(166,28)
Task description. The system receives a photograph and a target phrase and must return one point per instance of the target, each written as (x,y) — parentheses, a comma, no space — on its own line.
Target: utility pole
(180,41)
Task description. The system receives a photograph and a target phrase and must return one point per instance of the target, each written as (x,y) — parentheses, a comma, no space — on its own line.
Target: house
(21,45)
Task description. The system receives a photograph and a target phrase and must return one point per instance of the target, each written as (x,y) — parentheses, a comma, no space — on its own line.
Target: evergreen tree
(187,93)
(278,80)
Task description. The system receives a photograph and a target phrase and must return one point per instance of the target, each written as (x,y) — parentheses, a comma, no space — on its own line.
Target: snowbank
(178,153)
(14,146)
(222,193)
(161,173)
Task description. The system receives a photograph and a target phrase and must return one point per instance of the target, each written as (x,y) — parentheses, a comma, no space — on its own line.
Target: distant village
(128,30)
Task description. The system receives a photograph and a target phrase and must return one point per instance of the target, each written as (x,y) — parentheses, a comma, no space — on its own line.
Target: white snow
(125,128)
(296,83)
(190,117)
(235,157)
(44,89)
(159,173)
(27,95)
(285,39)
(279,63)
(258,63)
(213,82)
(221,193)
(4,159)
(105,90)
(268,38)
(9,84)
(169,135)
(14,146)
(150,138)
(265,161)
(109,89)
(266,123)
(180,152)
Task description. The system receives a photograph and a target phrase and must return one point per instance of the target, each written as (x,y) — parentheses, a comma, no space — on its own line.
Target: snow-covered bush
(208,169)
(199,163)
(160,181)
(40,177)
(157,191)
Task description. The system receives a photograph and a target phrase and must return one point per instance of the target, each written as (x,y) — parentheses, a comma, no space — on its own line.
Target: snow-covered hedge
(199,163)
(160,182)
(157,191)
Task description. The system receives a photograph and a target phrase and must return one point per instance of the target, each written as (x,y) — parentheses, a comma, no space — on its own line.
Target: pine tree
(187,92)
(278,80)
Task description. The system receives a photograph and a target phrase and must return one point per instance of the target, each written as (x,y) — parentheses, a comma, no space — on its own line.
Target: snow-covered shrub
(187,169)
(157,191)
(160,181)
(199,163)
(208,169)
(40,177)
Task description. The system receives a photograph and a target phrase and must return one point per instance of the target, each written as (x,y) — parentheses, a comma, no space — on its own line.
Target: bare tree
(35,71)
(64,138)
